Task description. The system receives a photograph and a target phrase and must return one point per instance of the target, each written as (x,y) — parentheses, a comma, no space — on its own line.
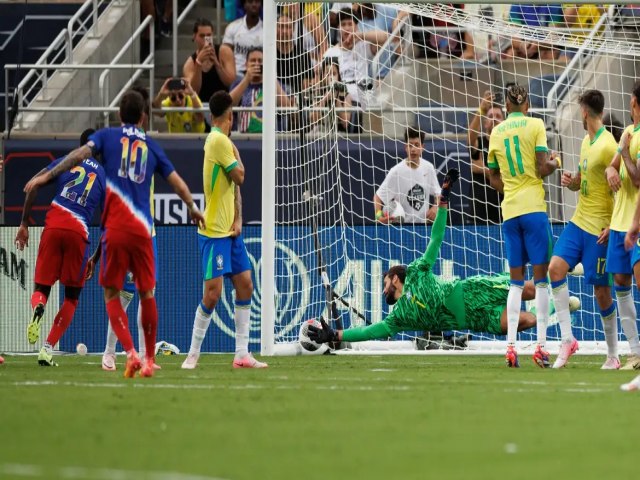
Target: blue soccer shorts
(618,258)
(223,256)
(528,239)
(577,245)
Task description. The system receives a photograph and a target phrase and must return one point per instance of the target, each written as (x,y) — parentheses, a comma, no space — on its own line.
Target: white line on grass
(82,473)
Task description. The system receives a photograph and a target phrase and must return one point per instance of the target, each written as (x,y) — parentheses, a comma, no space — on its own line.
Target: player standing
(519,159)
(623,175)
(62,254)
(221,245)
(584,239)
(130,159)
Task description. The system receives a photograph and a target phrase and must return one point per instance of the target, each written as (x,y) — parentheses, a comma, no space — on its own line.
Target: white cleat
(109,362)
(632,363)
(248,362)
(191,361)
(632,386)
(612,363)
(566,350)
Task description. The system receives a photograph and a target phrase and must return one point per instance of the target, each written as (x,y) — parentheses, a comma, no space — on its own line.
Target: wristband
(619,150)
(379,214)
(559,162)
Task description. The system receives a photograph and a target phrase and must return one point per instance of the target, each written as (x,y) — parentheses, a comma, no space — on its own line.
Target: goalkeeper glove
(449,180)
(323,335)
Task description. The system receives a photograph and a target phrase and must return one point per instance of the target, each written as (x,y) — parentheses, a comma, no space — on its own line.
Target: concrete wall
(80,87)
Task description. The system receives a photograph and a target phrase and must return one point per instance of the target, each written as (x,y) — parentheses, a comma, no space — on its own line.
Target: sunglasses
(176,96)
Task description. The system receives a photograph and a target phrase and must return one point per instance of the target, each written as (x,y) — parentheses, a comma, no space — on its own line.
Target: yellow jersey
(512,150)
(624,206)
(183,122)
(595,203)
(219,189)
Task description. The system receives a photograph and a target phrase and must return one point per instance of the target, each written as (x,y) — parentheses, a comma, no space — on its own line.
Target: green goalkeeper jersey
(430,303)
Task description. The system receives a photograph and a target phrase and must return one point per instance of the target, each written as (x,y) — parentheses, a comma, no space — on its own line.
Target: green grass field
(324,417)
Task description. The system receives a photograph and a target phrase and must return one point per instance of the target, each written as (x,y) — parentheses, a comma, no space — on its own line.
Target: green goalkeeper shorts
(485,298)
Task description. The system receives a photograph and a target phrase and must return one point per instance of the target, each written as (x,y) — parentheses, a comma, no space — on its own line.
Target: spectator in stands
(437,38)
(330,91)
(486,200)
(210,68)
(177,92)
(404,195)
(148,7)
(354,51)
(244,34)
(248,93)
(294,65)
(583,16)
(549,15)
(307,28)
(614,125)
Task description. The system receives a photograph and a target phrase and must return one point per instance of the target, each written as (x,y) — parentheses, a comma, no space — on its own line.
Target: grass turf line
(322,417)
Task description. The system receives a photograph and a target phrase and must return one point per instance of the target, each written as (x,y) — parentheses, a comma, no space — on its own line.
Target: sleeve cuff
(231,167)
(542,149)
(493,165)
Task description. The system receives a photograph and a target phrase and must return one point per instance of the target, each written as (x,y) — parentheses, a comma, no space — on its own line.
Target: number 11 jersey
(512,150)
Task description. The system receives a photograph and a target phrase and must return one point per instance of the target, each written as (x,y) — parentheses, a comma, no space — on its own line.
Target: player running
(221,245)
(623,175)
(519,159)
(63,250)
(584,239)
(424,301)
(130,159)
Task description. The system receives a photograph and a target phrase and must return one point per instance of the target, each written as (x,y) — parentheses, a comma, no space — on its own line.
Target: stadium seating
(443,121)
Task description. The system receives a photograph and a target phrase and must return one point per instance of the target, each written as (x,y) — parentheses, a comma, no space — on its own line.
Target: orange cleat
(512,358)
(133,365)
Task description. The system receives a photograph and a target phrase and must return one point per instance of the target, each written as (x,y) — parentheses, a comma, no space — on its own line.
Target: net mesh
(429,66)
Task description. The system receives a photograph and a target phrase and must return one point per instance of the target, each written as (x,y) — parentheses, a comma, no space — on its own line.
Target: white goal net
(352,81)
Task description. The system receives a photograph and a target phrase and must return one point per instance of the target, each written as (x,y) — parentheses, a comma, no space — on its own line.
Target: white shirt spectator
(411,188)
(353,64)
(241,39)
(337,6)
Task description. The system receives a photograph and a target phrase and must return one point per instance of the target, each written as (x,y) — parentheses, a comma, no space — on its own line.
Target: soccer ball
(81,349)
(303,337)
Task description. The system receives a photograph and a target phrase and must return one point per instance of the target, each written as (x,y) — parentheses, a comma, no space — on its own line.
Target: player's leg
(609,324)
(115,262)
(142,347)
(619,263)
(109,355)
(516,256)
(144,274)
(539,245)
(241,278)
(216,262)
(47,273)
(60,324)
(526,321)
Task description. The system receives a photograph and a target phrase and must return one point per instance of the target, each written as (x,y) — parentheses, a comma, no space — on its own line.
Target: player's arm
(326,334)
(236,226)
(237,172)
(631,237)
(547,162)
(182,190)
(440,223)
(631,164)
(74,158)
(22,237)
(571,182)
(495,177)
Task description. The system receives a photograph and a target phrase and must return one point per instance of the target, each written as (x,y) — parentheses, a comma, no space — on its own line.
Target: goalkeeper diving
(426,302)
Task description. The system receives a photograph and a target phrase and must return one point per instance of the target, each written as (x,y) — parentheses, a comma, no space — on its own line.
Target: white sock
(561,302)
(514,302)
(542,311)
(241,319)
(627,311)
(141,345)
(610,327)
(200,325)
(112,339)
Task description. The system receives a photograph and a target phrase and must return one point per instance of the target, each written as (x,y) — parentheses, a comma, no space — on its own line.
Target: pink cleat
(133,365)
(148,368)
(248,362)
(191,361)
(632,386)
(109,362)
(612,363)
(541,357)
(1,360)
(566,350)
(512,358)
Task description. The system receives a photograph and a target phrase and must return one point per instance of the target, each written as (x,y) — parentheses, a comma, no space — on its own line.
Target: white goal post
(328,150)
